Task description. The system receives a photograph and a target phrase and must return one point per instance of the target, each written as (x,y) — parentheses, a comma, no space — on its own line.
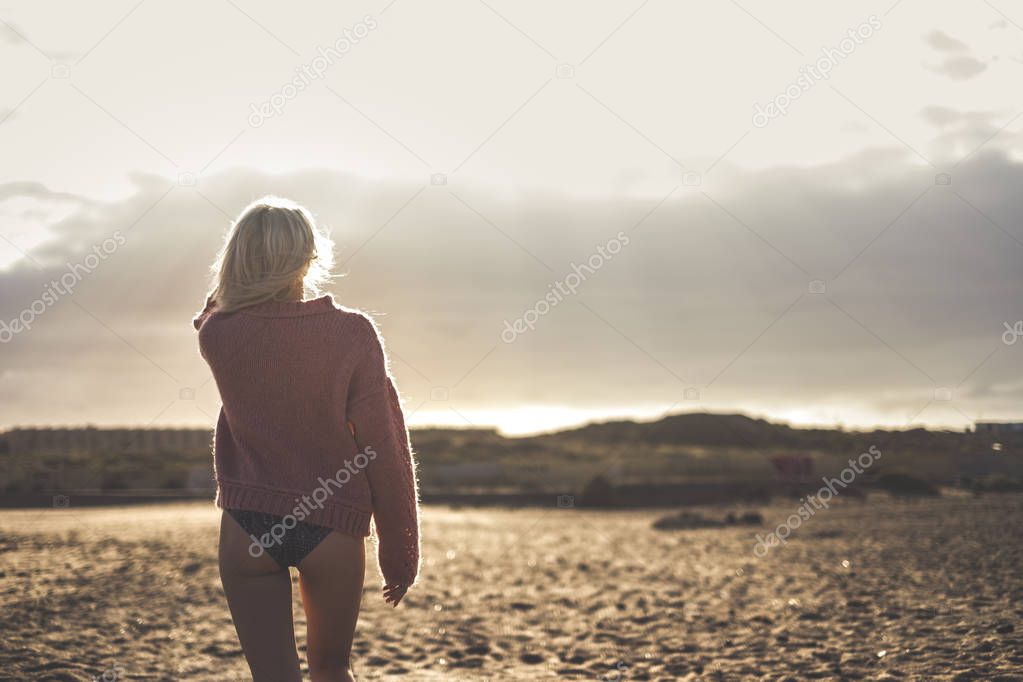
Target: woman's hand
(394,593)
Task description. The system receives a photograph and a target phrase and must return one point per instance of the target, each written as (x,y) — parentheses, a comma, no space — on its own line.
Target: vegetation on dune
(598,461)
(906,485)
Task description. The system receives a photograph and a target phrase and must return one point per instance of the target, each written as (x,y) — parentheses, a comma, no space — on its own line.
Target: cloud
(12,34)
(26,189)
(9,34)
(943,117)
(959,68)
(711,291)
(943,42)
(964,131)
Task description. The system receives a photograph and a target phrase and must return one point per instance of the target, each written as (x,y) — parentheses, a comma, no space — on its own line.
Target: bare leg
(331,578)
(258,593)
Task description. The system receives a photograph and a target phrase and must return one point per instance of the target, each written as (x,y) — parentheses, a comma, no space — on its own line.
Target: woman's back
(292,375)
(310,446)
(283,370)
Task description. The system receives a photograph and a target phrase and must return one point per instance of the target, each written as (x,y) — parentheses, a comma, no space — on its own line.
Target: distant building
(998,427)
(57,441)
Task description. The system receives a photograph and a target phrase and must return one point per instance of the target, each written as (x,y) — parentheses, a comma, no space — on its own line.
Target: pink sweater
(291,375)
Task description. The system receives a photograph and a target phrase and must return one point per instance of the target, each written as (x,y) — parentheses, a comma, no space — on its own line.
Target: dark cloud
(713,291)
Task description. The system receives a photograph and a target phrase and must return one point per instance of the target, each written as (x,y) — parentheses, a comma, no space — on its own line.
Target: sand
(896,590)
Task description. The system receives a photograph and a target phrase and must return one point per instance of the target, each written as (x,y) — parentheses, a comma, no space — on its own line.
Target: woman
(310,444)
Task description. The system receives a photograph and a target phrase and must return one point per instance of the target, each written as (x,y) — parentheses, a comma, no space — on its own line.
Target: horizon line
(611,419)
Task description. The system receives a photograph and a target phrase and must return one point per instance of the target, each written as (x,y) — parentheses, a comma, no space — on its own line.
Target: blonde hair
(273,248)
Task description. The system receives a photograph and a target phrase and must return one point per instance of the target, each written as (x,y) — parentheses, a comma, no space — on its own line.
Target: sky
(557,212)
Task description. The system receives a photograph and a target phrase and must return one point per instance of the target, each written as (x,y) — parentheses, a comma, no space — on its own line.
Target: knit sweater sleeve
(375,411)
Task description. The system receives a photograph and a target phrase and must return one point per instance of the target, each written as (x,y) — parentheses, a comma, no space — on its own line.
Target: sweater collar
(314,306)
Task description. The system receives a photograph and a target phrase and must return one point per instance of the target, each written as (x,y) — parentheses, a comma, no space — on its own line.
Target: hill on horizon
(693,446)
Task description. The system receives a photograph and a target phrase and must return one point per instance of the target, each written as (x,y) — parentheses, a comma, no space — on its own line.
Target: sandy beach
(887,589)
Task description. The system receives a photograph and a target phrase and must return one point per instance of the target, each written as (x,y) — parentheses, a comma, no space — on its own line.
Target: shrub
(906,485)
(598,492)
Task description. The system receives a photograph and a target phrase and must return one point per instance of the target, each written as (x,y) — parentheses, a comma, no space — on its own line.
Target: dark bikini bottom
(288,544)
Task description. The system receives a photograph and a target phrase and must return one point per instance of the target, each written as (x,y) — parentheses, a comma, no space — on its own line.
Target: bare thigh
(258,593)
(331,579)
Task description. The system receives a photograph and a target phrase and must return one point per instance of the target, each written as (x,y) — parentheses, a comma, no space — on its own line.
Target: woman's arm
(374,411)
